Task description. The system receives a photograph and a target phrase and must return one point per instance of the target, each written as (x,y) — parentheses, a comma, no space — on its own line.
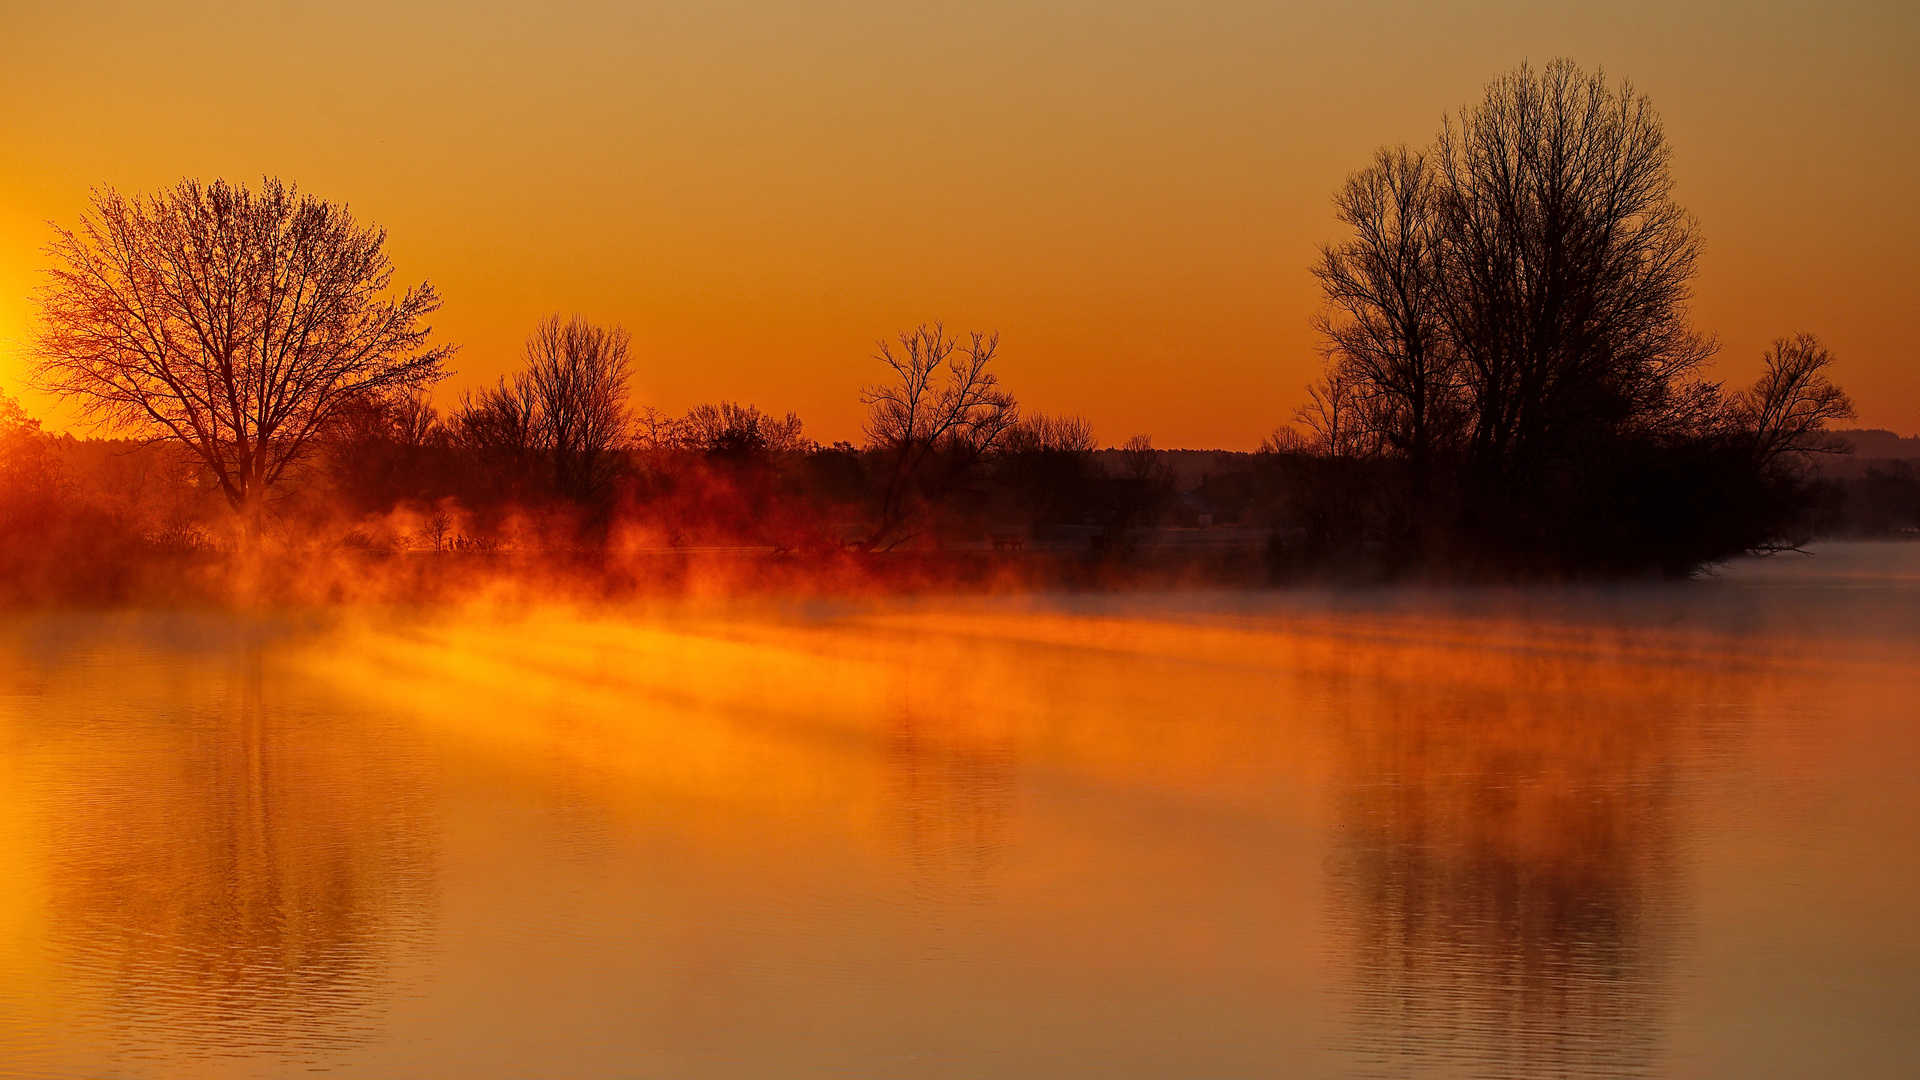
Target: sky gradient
(1130,193)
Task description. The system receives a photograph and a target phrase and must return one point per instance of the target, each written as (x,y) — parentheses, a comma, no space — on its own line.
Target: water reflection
(1220,836)
(949,807)
(1506,881)
(223,871)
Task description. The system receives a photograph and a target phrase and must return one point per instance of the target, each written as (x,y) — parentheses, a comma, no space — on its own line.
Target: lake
(1662,830)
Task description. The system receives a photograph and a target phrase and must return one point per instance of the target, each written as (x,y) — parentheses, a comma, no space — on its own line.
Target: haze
(1130,193)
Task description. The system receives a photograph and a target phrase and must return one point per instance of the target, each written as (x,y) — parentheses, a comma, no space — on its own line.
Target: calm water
(1657,831)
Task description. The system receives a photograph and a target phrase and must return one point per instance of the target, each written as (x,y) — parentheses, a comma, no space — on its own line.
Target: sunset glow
(1130,194)
(1022,538)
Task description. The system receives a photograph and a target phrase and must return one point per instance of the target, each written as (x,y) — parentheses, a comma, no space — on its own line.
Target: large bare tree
(1509,302)
(1566,266)
(233,322)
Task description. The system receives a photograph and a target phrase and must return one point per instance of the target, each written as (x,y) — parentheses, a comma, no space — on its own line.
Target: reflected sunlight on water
(1653,831)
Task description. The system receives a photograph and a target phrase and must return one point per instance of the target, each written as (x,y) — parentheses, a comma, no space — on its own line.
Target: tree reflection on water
(229,874)
(948,804)
(1506,884)
(1096,837)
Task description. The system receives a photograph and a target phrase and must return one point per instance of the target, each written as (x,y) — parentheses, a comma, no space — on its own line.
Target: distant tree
(439,525)
(1043,434)
(500,429)
(1327,488)
(1048,461)
(1884,500)
(1144,465)
(415,422)
(934,426)
(1786,412)
(565,413)
(1773,431)
(1146,486)
(234,323)
(577,377)
(30,475)
(742,433)
(1334,416)
(654,431)
(387,450)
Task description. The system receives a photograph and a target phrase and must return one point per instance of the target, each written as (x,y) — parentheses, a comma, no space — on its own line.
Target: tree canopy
(233,322)
(1508,319)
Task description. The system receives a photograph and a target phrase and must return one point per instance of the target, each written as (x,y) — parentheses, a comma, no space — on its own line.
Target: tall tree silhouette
(235,323)
(564,414)
(1384,319)
(1510,314)
(1566,267)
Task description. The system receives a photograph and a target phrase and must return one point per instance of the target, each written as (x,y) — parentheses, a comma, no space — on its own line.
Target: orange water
(1664,830)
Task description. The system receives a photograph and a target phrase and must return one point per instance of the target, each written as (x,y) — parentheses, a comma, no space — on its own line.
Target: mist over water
(1660,830)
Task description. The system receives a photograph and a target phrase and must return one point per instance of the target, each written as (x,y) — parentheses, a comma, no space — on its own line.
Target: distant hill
(1879,443)
(1869,446)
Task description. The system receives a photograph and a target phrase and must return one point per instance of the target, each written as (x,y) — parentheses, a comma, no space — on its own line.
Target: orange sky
(1130,192)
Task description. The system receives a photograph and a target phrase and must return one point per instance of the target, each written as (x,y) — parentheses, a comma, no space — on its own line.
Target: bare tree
(231,322)
(731,431)
(1511,308)
(1508,333)
(416,423)
(1288,440)
(1384,320)
(577,379)
(1333,414)
(1785,413)
(654,431)
(1566,266)
(1043,434)
(1142,462)
(1047,461)
(935,425)
(566,413)
(439,524)
(500,426)
(1149,482)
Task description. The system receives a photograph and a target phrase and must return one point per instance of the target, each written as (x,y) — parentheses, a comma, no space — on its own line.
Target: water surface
(1665,830)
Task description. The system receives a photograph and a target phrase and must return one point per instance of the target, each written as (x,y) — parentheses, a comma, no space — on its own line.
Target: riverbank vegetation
(1513,389)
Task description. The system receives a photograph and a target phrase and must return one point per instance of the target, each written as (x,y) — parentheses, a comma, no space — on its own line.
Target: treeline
(555,460)
(1873,492)
(553,457)
(542,464)
(93,519)
(1514,388)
